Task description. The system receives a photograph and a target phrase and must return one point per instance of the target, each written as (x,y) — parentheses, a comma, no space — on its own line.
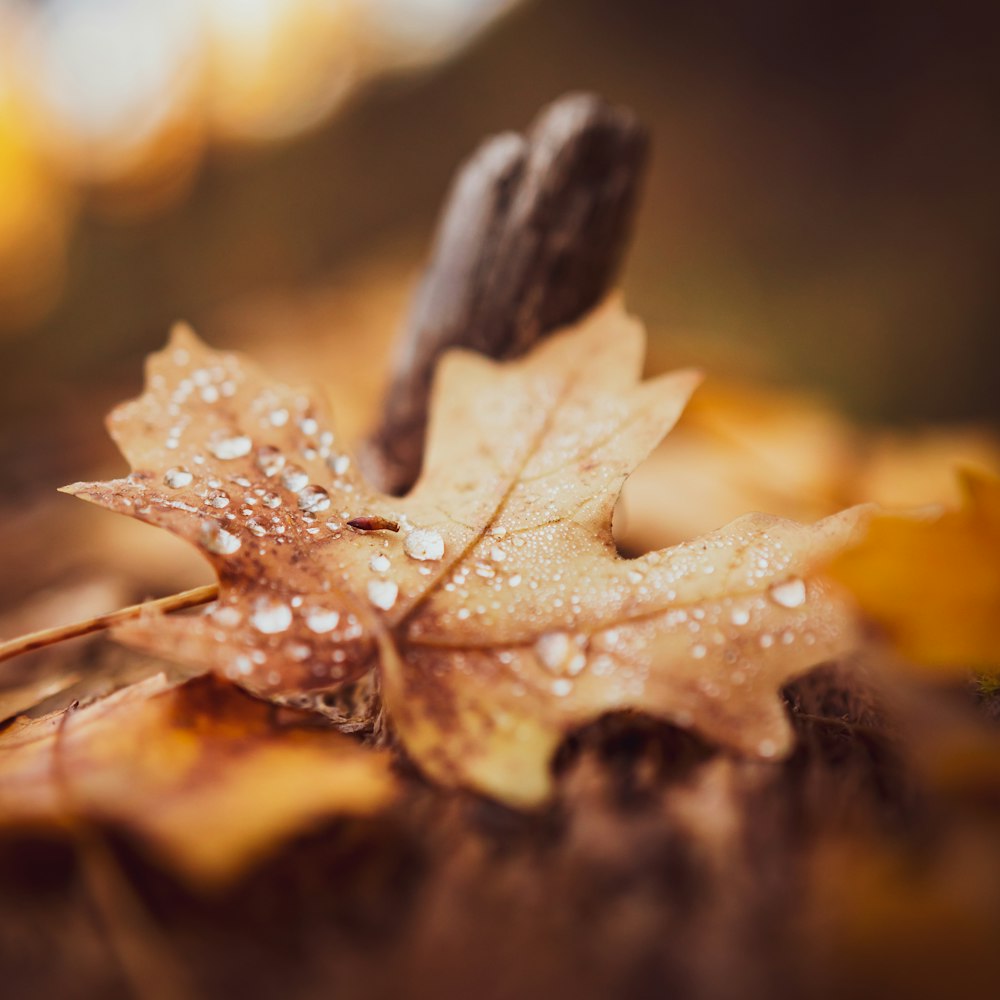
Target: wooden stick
(531,238)
(50,636)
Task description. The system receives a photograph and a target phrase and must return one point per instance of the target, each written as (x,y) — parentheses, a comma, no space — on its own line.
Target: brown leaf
(202,773)
(500,614)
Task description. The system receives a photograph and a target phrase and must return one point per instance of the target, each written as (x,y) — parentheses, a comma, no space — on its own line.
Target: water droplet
(231,447)
(216,539)
(271,500)
(698,651)
(278,417)
(313,499)
(319,620)
(424,543)
(271,616)
(256,528)
(308,425)
(379,562)
(767,748)
(270,461)
(554,650)
(740,616)
(217,499)
(497,554)
(178,477)
(227,615)
(339,464)
(383,593)
(562,687)
(789,593)
(295,479)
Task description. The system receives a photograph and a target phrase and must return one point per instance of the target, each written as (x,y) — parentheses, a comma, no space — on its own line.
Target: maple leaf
(499,615)
(178,765)
(932,581)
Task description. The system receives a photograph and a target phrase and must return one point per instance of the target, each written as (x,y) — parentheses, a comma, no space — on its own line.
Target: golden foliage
(207,777)
(932,581)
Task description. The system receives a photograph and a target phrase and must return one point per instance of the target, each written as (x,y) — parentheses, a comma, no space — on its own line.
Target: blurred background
(822,212)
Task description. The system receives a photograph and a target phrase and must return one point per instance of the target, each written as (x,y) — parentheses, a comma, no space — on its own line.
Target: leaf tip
(182,335)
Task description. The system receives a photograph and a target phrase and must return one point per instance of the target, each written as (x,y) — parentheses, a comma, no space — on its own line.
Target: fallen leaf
(499,615)
(19,699)
(200,771)
(932,581)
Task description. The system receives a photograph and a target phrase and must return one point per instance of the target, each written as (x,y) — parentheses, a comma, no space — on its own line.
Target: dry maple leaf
(933,581)
(499,614)
(199,770)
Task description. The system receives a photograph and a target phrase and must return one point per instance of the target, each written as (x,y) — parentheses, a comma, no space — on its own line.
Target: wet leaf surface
(498,615)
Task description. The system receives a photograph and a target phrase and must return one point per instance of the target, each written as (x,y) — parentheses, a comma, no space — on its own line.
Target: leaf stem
(50,636)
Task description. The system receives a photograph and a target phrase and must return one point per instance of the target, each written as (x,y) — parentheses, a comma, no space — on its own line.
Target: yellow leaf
(498,614)
(201,772)
(933,581)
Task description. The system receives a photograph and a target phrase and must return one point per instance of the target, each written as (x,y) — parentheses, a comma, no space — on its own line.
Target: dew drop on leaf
(383,593)
(313,499)
(319,620)
(270,461)
(228,448)
(178,477)
(216,539)
(271,616)
(295,479)
(789,593)
(227,615)
(424,543)
(553,649)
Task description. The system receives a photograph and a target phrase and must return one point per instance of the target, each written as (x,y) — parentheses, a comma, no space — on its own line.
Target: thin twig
(50,636)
